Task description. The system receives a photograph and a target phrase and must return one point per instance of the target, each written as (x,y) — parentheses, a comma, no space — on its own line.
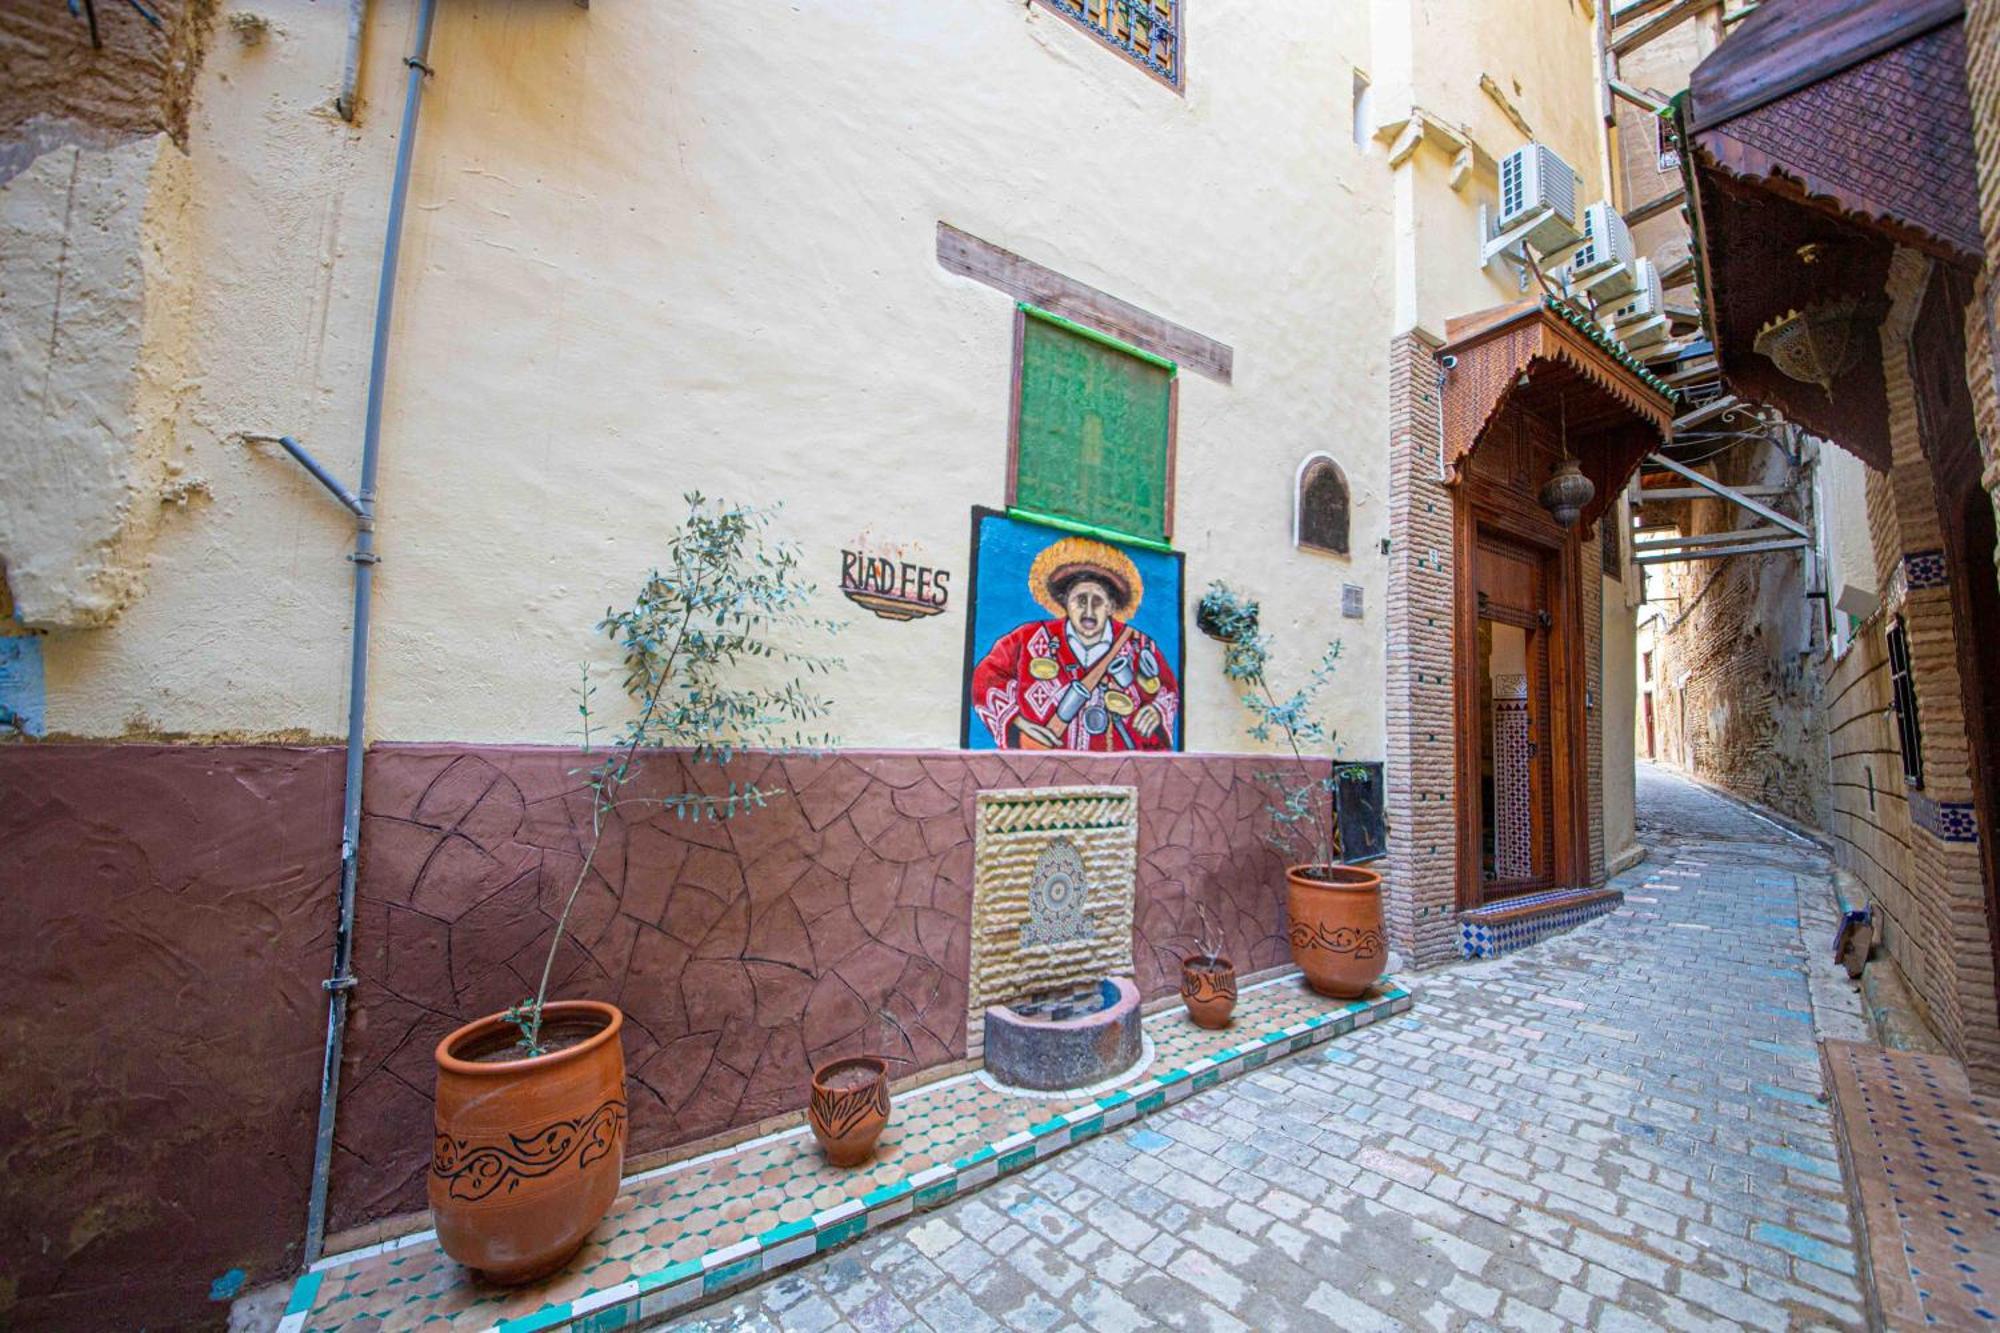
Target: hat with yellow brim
(1059,567)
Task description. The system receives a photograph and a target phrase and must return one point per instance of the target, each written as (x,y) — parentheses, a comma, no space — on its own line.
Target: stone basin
(1071,1040)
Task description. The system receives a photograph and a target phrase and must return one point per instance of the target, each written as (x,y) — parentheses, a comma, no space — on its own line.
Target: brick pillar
(1946,879)
(1982,331)
(1421,879)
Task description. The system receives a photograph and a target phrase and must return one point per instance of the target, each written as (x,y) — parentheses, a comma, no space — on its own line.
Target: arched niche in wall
(1320,506)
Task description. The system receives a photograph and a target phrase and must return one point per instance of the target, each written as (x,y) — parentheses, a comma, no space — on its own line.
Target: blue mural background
(23,696)
(1003,548)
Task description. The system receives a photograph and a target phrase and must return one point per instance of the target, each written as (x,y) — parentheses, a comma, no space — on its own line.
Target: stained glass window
(1146,32)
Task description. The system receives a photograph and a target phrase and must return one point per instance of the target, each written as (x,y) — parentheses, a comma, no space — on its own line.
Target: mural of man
(1085,679)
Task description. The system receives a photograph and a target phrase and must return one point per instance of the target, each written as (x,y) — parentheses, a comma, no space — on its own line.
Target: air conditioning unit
(1602,265)
(1648,302)
(1534,180)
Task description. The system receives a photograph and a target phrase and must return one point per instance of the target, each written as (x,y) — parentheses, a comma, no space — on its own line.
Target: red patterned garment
(1029,691)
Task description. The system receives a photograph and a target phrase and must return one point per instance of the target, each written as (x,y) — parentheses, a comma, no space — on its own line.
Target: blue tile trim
(690,1280)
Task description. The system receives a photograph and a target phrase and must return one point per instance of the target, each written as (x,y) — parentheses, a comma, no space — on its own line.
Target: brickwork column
(1982,331)
(1420,884)
(1946,877)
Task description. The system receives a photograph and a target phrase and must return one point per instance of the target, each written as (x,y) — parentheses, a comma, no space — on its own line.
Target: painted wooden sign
(893,589)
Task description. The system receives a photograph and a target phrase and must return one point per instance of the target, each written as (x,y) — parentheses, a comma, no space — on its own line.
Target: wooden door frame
(1478,504)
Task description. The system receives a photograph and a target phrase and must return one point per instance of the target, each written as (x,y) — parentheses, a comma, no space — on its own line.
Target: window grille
(1093,431)
(1904,691)
(1608,544)
(1146,32)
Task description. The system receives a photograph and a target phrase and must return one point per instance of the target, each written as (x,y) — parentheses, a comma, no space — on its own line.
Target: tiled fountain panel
(688,1232)
(1053,877)
(1924,1154)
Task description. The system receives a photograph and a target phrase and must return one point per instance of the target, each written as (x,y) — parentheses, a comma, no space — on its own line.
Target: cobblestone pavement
(1620,1128)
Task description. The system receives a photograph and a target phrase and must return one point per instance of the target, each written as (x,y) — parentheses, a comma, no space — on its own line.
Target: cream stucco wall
(655,248)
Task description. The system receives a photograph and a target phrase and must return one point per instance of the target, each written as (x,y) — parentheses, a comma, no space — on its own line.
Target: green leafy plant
(1305,817)
(727,597)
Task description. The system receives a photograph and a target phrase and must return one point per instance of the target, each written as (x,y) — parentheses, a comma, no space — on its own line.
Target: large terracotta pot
(849,1107)
(1208,988)
(528,1152)
(1337,939)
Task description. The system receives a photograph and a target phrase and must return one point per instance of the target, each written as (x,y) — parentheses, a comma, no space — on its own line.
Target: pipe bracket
(338,983)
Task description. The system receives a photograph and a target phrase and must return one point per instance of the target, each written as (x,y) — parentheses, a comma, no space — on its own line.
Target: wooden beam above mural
(1023,279)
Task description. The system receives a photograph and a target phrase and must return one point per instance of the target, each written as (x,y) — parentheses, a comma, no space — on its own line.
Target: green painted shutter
(1096,418)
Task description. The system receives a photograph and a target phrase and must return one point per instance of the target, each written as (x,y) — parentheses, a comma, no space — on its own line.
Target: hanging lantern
(1820,343)
(1566,492)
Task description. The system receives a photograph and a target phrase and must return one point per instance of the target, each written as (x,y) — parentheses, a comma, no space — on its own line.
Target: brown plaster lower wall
(835,921)
(164,926)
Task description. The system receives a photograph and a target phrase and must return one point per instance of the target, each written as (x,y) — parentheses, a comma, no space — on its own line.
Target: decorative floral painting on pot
(1072,642)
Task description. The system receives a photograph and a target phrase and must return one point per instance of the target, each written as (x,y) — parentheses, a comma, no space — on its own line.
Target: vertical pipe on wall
(350,61)
(342,980)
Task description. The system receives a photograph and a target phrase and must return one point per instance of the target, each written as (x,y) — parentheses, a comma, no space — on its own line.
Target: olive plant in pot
(1334,910)
(531,1121)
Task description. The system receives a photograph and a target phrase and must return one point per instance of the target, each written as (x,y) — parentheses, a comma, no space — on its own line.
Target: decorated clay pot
(1208,988)
(1336,914)
(528,1151)
(849,1107)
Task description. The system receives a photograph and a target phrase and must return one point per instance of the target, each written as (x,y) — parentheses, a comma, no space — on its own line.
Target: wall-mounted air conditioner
(1535,182)
(1602,265)
(1647,302)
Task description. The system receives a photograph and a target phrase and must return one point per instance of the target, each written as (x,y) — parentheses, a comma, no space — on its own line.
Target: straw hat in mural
(1058,568)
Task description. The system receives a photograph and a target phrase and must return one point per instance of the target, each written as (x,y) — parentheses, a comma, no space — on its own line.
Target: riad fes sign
(893,589)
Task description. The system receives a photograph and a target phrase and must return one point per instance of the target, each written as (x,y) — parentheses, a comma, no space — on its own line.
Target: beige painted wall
(651,248)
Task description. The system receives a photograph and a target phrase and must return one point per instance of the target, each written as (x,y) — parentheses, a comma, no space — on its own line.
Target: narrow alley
(1621,1128)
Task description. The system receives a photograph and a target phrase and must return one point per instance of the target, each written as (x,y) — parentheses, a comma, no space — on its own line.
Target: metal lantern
(1819,344)
(1566,492)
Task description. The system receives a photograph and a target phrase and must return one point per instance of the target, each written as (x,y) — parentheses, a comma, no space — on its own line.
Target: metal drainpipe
(342,980)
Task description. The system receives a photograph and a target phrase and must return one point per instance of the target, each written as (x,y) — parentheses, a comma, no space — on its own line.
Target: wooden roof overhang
(1578,384)
(1835,129)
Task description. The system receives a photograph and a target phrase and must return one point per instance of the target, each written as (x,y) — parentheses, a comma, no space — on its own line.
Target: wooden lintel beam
(1023,279)
(1652,208)
(1670,16)
(1647,493)
(1729,537)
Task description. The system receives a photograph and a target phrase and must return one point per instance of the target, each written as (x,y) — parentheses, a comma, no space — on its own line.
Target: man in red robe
(1085,680)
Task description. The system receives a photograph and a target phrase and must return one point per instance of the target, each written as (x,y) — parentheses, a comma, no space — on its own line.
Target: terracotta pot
(1337,939)
(528,1152)
(847,1113)
(1208,988)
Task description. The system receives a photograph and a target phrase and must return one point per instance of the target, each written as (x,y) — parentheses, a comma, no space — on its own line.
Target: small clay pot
(1336,930)
(528,1152)
(1208,988)
(849,1107)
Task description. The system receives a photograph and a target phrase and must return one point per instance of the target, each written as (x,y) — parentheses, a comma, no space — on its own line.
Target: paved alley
(1621,1128)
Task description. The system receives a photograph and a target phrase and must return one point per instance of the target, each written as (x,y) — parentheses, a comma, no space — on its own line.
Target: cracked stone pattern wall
(833,922)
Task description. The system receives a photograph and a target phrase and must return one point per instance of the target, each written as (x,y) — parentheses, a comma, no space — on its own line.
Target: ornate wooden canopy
(1555,368)
(1821,134)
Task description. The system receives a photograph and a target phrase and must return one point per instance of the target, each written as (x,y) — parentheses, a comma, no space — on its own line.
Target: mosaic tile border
(1924,569)
(1517,923)
(689,1281)
(1947,821)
